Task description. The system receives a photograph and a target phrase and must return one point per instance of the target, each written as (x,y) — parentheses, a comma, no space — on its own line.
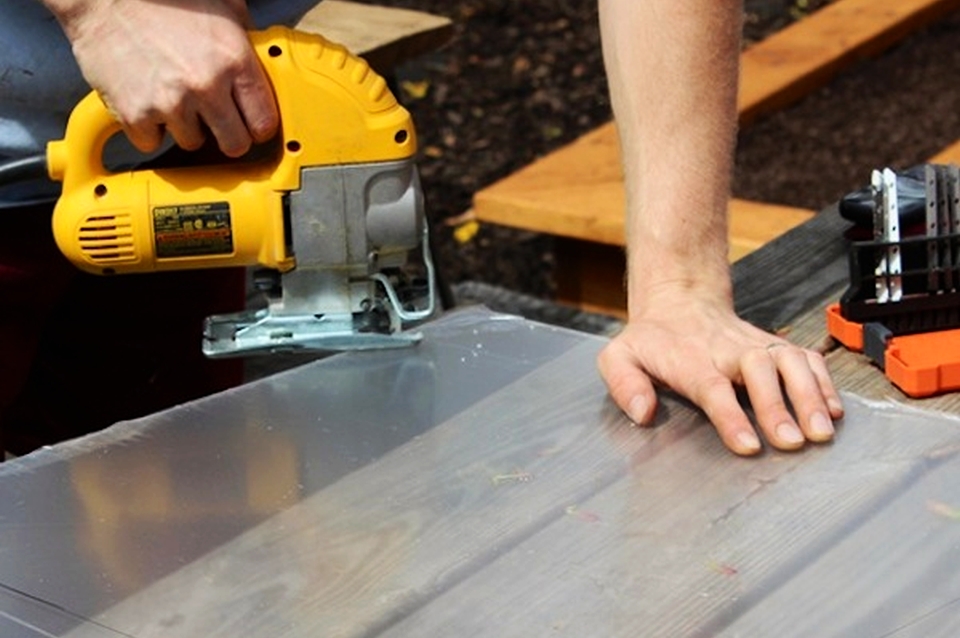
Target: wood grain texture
(576,191)
(380,542)
(540,510)
(746,548)
(781,282)
(753,224)
(384,36)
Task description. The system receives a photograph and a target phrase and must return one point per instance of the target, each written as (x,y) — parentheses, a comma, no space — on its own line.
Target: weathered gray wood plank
(563,517)
(531,507)
(783,280)
(386,538)
(675,551)
(895,574)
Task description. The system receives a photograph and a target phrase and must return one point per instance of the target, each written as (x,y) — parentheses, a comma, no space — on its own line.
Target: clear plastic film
(482,484)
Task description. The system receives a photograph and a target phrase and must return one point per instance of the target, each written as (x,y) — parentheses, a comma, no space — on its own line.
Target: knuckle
(755,356)
(204,88)
(189,142)
(232,64)
(202,82)
(792,352)
(816,358)
(605,354)
(139,121)
(618,384)
(611,354)
(142,130)
(264,127)
(602,362)
(134,114)
(167,105)
(234,148)
(711,390)
(772,408)
(235,59)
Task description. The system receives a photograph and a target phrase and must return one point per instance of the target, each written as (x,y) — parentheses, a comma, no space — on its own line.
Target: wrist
(677,245)
(70,14)
(670,279)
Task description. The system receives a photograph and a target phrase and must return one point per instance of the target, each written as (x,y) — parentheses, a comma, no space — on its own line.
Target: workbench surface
(482,484)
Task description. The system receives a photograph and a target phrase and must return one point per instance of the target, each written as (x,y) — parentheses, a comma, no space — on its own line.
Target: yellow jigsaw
(331,214)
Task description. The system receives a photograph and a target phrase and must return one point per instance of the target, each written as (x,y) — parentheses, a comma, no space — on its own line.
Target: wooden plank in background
(384,36)
(806,55)
(577,191)
(753,224)
(589,274)
(541,198)
(949,155)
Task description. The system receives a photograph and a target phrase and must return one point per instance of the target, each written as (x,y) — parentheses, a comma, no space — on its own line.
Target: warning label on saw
(192,230)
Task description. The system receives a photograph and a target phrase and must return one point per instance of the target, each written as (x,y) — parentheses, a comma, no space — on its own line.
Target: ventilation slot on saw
(107,239)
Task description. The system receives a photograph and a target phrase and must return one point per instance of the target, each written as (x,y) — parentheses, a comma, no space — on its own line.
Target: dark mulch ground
(520,79)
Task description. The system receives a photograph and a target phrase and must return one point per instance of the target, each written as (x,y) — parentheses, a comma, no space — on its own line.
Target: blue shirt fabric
(39,79)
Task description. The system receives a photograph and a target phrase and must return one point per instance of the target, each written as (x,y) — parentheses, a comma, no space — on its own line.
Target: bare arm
(178,66)
(672,67)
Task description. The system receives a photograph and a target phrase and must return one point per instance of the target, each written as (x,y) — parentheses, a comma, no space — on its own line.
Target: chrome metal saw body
(355,233)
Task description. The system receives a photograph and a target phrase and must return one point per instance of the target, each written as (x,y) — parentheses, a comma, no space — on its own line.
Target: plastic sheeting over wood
(480,484)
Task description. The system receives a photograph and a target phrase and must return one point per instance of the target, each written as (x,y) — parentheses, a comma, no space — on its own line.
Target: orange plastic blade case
(920,365)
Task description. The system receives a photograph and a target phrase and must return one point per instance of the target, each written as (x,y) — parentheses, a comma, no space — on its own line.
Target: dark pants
(79,352)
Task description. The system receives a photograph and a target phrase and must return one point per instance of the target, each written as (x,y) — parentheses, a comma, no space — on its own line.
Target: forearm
(672,67)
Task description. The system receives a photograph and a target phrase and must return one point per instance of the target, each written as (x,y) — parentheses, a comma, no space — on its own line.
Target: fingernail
(748,441)
(820,426)
(788,433)
(637,410)
(835,406)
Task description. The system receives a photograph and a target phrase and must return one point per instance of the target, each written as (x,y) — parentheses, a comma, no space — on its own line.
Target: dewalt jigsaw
(332,216)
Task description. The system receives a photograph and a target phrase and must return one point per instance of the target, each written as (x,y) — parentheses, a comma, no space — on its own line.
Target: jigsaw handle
(91,125)
(334,111)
